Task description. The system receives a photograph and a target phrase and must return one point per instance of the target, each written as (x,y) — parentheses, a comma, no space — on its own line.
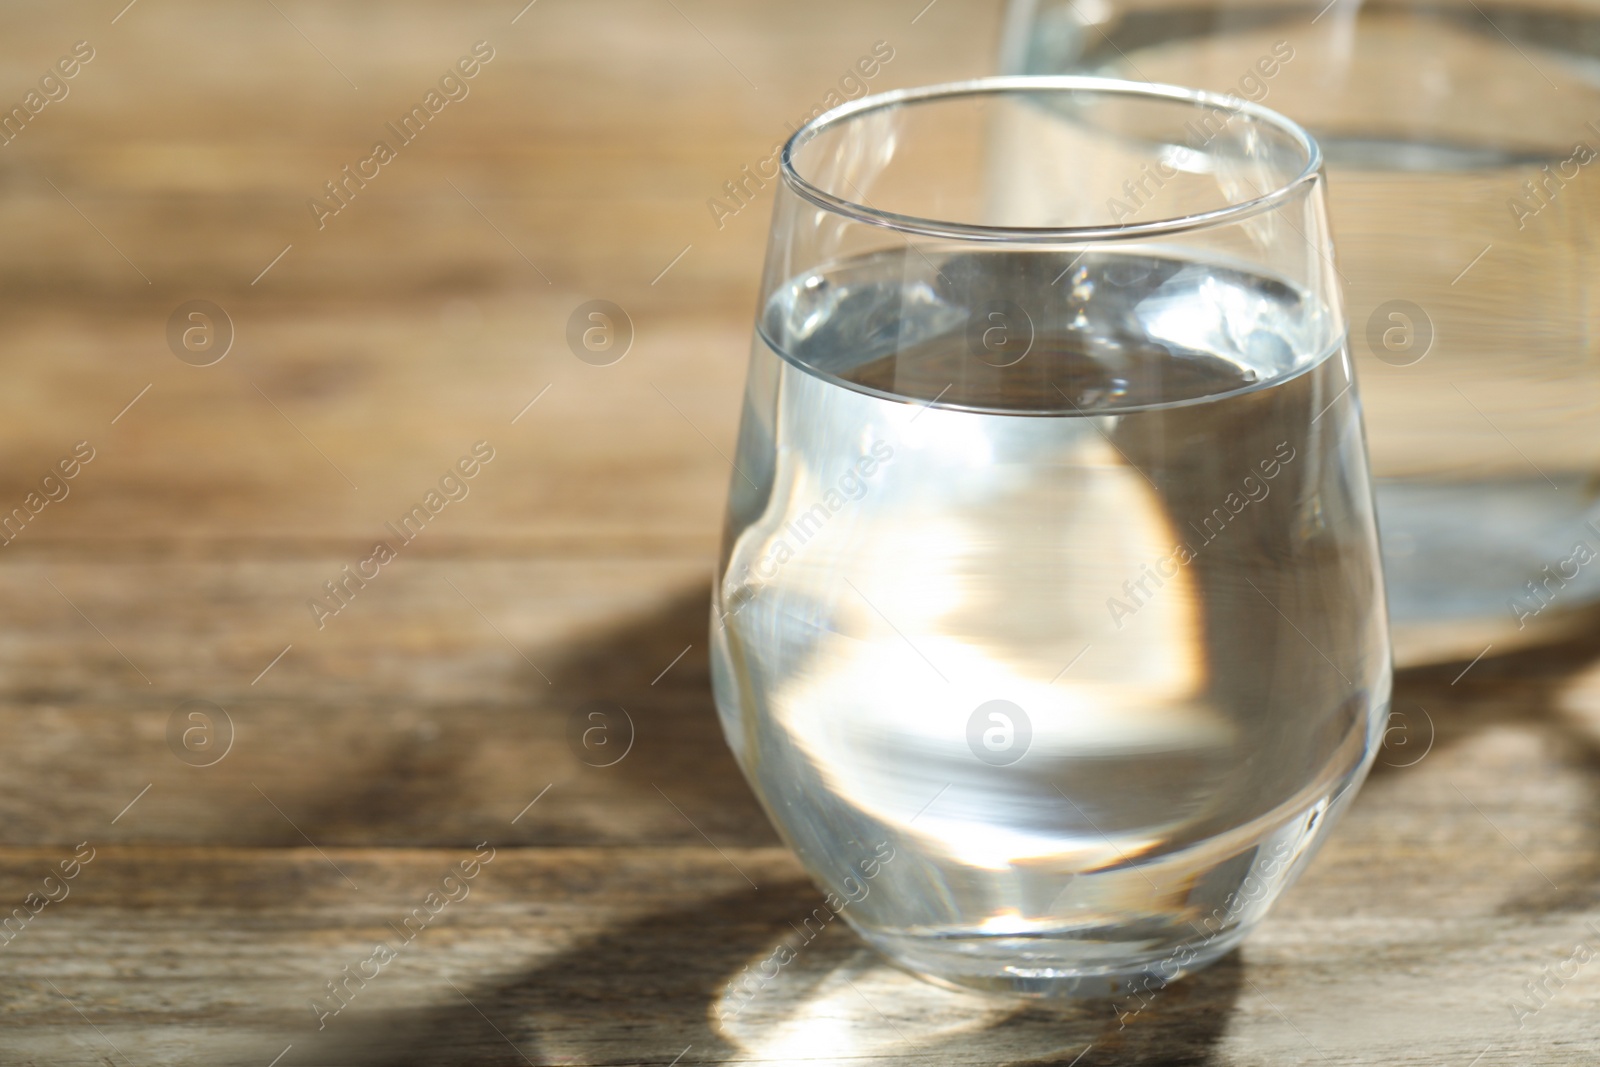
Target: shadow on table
(1441,706)
(656,988)
(454,785)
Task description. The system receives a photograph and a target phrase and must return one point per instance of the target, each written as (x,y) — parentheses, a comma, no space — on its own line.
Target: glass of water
(1049,623)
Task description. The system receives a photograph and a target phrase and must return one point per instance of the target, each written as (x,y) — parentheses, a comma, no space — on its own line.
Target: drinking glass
(1461,139)
(1049,624)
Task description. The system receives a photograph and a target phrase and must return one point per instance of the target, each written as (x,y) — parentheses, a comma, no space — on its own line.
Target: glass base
(1130,934)
(1050,967)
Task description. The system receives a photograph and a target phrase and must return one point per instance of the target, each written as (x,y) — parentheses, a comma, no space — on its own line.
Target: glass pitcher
(1463,149)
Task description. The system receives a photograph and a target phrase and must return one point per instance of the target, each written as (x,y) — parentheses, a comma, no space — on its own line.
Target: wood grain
(371,753)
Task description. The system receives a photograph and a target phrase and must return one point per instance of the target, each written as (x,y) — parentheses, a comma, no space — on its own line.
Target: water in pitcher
(1080,633)
(1463,152)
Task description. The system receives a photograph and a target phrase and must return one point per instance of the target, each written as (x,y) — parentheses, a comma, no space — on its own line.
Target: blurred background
(242,347)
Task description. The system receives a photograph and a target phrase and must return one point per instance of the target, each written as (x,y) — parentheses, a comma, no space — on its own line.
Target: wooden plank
(614,956)
(441,699)
(428,314)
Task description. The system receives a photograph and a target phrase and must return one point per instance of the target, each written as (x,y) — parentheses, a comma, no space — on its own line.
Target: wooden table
(360,755)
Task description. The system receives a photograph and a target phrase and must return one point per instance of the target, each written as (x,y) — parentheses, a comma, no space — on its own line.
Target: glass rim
(1017,83)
